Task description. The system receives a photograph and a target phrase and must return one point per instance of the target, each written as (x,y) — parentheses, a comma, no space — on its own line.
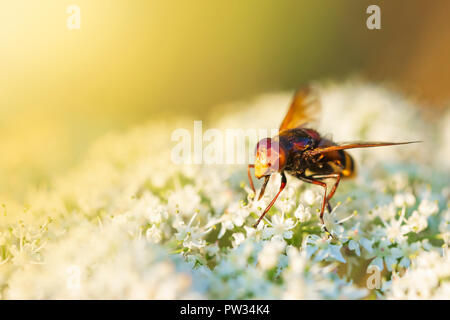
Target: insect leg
(283,184)
(336,183)
(263,187)
(319,183)
(333,190)
(250,177)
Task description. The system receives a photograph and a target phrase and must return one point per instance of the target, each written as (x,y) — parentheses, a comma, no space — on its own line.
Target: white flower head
(238,238)
(404,199)
(279,227)
(396,230)
(185,200)
(302,214)
(126,225)
(323,249)
(356,240)
(334,224)
(417,222)
(191,236)
(270,253)
(310,197)
(427,207)
(383,253)
(153,234)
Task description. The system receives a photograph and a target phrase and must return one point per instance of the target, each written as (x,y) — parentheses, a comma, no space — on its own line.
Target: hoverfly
(303,153)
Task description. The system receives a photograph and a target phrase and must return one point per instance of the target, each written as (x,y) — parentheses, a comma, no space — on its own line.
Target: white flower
(302,214)
(191,236)
(400,181)
(153,234)
(395,231)
(385,212)
(297,259)
(287,201)
(269,255)
(427,207)
(402,199)
(333,224)
(238,213)
(294,276)
(226,224)
(185,200)
(356,240)
(158,214)
(323,249)
(424,280)
(279,227)
(235,215)
(383,253)
(238,238)
(252,232)
(150,207)
(409,252)
(310,197)
(417,222)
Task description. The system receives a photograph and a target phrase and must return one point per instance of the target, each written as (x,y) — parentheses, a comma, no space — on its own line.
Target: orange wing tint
(305,108)
(354,145)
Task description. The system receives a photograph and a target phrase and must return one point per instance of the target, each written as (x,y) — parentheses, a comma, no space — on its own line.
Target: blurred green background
(135,61)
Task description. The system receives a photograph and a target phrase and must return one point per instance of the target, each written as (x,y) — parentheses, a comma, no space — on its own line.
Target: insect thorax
(295,142)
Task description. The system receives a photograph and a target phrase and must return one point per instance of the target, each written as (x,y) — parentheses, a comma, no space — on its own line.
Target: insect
(303,153)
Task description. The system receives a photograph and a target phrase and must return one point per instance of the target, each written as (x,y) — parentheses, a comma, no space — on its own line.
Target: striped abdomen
(347,164)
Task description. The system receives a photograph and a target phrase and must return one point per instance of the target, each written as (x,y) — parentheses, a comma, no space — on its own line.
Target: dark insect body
(303,153)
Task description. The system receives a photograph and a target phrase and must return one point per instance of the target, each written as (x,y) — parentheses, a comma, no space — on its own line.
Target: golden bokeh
(133,62)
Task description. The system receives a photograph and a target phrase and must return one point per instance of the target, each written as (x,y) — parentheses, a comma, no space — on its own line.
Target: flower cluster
(126,223)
